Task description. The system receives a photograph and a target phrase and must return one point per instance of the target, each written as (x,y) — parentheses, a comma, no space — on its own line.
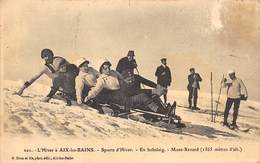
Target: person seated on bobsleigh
(108,89)
(50,69)
(133,84)
(65,81)
(86,79)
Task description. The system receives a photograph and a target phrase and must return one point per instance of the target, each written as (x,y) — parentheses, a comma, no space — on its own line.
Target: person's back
(68,79)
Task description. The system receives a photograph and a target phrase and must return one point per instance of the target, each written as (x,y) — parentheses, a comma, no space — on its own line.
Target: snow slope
(27,116)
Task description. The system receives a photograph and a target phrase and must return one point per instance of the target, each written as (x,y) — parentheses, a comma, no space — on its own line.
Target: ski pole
(219,93)
(212,114)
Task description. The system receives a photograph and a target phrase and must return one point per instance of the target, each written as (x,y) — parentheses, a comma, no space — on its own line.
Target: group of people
(81,84)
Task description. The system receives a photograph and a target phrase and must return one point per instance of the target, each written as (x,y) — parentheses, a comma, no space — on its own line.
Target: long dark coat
(164,77)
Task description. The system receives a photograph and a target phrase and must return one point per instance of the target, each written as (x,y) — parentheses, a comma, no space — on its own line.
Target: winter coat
(194,79)
(125,64)
(109,82)
(88,79)
(132,84)
(164,77)
(236,88)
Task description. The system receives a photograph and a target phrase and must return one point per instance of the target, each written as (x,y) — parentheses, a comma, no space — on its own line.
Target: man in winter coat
(50,69)
(127,63)
(164,77)
(65,80)
(108,89)
(193,87)
(86,79)
(236,91)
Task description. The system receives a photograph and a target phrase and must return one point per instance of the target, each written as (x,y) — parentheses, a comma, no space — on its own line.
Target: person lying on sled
(50,68)
(108,89)
(134,82)
(65,81)
(86,79)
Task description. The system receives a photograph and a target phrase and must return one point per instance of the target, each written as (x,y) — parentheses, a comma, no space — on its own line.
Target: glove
(45,99)
(19,93)
(86,99)
(244,97)
(79,101)
(224,80)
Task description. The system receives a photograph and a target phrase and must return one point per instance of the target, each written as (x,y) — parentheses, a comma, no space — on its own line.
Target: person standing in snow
(127,63)
(164,77)
(193,87)
(236,91)
(50,69)
(86,79)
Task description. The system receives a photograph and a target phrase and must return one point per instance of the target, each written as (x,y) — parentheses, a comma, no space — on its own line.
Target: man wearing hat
(86,79)
(50,69)
(127,63)
(236,91)
(164,77)
(193,87)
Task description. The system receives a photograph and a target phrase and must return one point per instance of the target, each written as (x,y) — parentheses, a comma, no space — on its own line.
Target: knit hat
(46,52)
(81,61)
(105,62)
(231,72)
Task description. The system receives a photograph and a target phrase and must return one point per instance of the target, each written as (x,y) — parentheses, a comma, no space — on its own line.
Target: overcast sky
(210,35)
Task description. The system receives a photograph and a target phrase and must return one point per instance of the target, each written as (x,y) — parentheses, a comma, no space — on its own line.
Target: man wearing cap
(65,80)
(164,77)
(86,79)
(236,91)
(127,63)
(193,87)
(50,69)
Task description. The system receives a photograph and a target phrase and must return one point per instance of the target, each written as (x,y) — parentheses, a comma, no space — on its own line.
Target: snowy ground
(27,117)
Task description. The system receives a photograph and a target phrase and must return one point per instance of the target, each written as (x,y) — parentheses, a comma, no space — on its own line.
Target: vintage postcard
(132,81)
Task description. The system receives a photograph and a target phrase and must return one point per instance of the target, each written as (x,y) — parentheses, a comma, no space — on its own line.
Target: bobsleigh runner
(142,114)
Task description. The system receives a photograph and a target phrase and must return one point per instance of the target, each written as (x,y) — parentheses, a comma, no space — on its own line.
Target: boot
(152,106)
(165,110)
(233,126)
(225,124)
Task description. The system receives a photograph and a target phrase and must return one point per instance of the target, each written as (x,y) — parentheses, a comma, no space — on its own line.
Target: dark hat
(46,52)
(192,69)
(131,53)
(163,59)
